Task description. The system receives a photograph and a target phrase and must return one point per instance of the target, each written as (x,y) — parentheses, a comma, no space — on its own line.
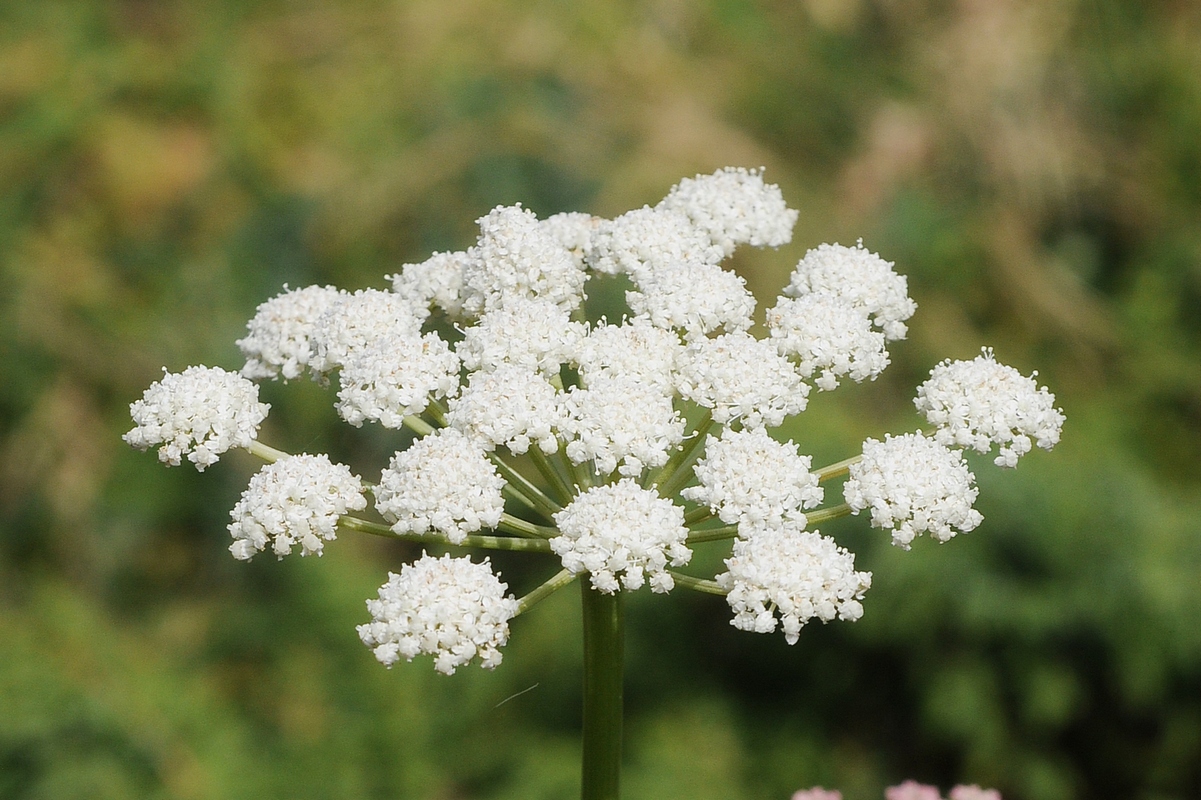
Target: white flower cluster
(487,354)
(450,608)
(200,412)
(798,574)
(912,485)
(749,478)
(296,500)
(622,529)
(980,403)
(443,482)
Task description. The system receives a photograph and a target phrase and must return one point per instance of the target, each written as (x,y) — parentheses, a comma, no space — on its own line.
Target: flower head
(619,418)
(800,575)
(442,481)
(741,377)
(357,321)
(436,282)
(279,339)
(635,349)
(450,608)
(510,406)
(827,334)
(860,277)
(749,478)
(912,790)
(913,484)
(692,296)
(640,242)
(532,333)
(395,376)
(734,206)
(980,402)
(296,500)
(200,412)
(622,531)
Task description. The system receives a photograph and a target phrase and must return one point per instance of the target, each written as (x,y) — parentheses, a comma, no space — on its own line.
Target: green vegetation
(1035,168)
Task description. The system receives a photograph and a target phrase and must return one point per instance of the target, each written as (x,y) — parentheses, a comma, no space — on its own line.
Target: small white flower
(622,532)
(749,478)
(827,334)
(574,230)
(531,333)
(694,297)
(510,406)
(450,608)
(437,281)
(200,412)
(913,484)
(635,349)
(395,376)
(734,206)
(641,241)
(621,419)
(741,377)
(861,278)
(980,402)
(279,337)
(800,575)
(517,257)
(442,481)
(357,321)
(296,500)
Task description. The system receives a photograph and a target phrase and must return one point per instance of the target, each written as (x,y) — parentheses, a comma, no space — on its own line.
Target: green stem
(603,665)
(474,540)
(556,481)
(417,425)
(713,534)
(520,527)
(825,514)
(265,452)
(698,515)
(837,469)
(561,579)
(675,472)
(521,485)
(698,584)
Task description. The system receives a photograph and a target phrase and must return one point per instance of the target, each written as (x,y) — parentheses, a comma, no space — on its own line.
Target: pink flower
(818,793)
(973,792)
(912,790)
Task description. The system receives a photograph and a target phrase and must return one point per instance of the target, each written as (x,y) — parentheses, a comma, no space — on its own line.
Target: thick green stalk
(836,470)
(473,540)
(604,637)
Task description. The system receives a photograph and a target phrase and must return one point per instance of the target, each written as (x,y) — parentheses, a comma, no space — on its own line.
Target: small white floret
(694,297)
(395,376)
(295,501)
(829,336)
(517,257)
(443,482)
(437,282)
(510,406)
(635,349)
(199,413)
(450,608)
(642,241)
(619,419)
(861,278)
(741,377)
(574,230)
(912,484)
(734,206)
(623,536)
(532,333)
(279,336)
(749,478)
(799,575)
(357,321)
(980,403)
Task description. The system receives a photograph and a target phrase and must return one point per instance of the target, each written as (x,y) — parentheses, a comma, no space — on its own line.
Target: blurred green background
(1034,166)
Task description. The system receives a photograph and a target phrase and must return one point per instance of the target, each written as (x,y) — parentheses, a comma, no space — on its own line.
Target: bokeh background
(1033,166)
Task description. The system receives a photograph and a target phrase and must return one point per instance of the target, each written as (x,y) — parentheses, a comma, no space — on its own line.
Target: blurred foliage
(1034,167)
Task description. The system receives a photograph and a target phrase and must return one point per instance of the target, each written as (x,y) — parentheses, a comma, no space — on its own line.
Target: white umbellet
(395,376)
(294,501)
(279,335)
(510,406)
(693,297)
(443,482)
(450,608)
(741,377)
(800,575)
(532,333)
(620,420)
(861,278)
(199,413)
(750,479)
(912,484)
(356,321)
(635,349)
(436,282)
(623,536)
(827,335)
(641,241)
(980,403)
(734,206)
